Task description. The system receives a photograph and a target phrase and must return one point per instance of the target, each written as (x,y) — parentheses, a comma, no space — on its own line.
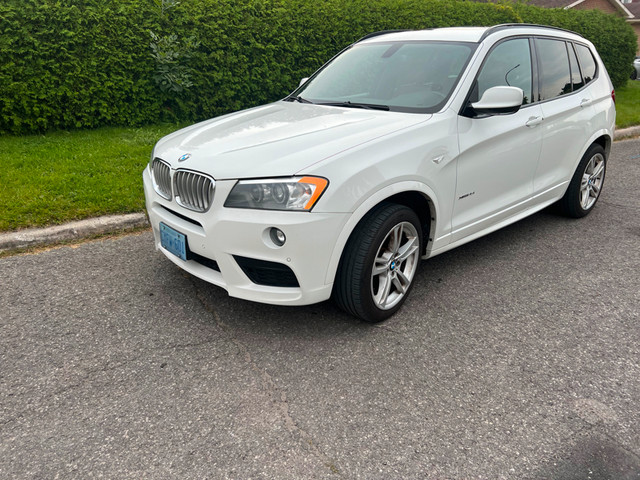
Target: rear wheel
(586,184)
(379,263)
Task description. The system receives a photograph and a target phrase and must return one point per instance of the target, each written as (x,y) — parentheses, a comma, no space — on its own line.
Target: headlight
(277,194)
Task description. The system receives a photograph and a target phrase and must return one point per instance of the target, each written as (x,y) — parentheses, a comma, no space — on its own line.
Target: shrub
(85,63)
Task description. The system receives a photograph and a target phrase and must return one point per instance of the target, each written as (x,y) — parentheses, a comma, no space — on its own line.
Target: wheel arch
(601,138)
(415,195)
(605,142)
(423,206)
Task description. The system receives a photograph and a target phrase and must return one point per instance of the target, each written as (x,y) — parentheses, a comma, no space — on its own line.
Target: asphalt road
(517,356)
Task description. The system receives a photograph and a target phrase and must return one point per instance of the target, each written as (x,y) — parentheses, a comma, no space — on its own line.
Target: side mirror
(303,81)
(499,101)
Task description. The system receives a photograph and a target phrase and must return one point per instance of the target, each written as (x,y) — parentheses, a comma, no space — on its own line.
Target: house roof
(630,10)
(552,3)
(634,8)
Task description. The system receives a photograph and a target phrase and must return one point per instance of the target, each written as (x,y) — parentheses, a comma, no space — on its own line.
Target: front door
(498,154)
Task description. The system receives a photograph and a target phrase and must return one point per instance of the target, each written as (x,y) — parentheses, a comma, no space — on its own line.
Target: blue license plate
(173,241)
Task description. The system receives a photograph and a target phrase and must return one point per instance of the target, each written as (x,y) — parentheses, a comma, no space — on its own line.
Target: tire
(389,237)
(586,184)
(634,75)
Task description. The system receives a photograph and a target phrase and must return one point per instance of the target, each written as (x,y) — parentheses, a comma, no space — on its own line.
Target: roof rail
(375,34)
(505,26)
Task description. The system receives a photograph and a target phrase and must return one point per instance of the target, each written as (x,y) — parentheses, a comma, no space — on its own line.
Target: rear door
(567,106)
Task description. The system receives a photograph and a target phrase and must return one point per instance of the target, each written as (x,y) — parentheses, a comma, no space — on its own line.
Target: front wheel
(379,263)
(586,184)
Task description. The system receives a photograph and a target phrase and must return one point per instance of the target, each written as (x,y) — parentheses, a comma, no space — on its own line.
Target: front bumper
(223,234)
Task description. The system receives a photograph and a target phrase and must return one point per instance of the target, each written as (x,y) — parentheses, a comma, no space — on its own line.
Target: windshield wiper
(298,99)
(370,106)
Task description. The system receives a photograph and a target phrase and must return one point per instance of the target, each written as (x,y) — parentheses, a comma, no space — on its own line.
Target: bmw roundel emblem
(184,157)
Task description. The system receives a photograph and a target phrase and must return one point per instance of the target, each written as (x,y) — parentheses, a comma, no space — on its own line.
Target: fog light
(277,236)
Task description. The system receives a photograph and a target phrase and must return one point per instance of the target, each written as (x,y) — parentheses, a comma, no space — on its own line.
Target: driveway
(516,356)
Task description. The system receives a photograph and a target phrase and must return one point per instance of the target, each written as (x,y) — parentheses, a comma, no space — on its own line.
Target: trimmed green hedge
(86,63)
(256,51)
(73,65)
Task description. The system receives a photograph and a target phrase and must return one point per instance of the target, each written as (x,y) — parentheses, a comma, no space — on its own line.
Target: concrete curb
(35,237)
(627,132)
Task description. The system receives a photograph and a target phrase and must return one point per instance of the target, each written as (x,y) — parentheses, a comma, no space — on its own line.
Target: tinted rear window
(587,63)
(576,78)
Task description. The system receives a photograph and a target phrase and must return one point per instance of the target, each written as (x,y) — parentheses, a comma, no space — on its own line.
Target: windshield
(405,76)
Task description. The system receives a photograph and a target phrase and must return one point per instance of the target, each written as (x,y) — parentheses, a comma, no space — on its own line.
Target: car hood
(278,139)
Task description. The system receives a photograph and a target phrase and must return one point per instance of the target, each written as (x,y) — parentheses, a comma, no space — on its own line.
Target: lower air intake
(270,274)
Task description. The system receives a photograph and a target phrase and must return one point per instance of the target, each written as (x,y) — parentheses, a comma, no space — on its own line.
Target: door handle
(534,121)
(585,102)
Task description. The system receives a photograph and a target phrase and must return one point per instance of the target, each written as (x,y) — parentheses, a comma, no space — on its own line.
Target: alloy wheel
(394,265)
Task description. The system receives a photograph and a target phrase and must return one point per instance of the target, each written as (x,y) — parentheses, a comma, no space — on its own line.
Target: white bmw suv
(403,146)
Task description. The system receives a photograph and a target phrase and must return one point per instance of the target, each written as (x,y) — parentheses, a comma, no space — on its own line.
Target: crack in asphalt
(277,396)
(388,329)
(90,374)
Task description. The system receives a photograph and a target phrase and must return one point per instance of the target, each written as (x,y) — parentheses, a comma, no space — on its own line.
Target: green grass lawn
(628,104)
(63,176)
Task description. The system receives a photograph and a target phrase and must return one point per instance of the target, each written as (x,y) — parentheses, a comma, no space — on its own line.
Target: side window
(576,79)
(508,64)
(587,63)
(555,76)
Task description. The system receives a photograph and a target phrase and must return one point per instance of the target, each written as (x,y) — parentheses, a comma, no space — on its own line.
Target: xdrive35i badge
(184,157)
